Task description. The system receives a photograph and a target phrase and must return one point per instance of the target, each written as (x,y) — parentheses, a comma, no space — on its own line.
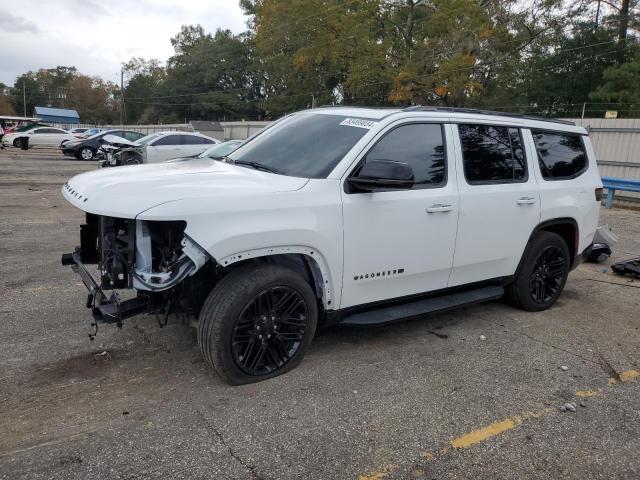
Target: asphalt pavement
(474,393)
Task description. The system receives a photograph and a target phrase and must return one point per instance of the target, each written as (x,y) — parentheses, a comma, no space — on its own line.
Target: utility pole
(121,96)
(24,98)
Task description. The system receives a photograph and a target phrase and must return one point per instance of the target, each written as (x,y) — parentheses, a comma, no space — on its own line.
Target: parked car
(39,137)
(87,148)
(217,152)
(345,216)
(162,146)
(78,130)
(24,127)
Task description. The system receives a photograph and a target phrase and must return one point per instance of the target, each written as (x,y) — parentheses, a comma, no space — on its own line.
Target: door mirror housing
(382,175)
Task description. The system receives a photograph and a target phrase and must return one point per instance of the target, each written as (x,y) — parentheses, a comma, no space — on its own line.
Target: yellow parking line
(496,428)
(629,375)
(586,393)
(377,474)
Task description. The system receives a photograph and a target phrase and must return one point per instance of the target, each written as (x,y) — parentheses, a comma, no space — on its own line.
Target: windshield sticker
(358,122)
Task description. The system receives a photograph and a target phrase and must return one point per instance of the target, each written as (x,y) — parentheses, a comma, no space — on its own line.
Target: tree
(6,107)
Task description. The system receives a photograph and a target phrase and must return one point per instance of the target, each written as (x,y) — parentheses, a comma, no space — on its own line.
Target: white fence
(232,130)
(617,146)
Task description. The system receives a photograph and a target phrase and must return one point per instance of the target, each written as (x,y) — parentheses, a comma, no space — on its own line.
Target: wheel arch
(306,261)
(565,227)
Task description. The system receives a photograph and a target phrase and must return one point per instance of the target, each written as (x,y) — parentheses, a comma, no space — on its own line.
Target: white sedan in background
(161,146)
(39,137)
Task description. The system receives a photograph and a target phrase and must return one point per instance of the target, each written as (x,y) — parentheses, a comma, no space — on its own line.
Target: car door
(400,242)
(164,148)
(499,201)
(40,137)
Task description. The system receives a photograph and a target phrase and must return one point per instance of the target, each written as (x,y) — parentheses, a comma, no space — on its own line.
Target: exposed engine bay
(155,258)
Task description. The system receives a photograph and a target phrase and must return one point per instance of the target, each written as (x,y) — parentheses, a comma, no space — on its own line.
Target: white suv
(340,216)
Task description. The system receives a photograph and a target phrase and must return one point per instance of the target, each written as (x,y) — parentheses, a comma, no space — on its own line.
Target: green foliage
(544,56)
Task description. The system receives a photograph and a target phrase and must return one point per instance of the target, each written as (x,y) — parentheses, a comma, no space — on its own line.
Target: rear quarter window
(561,155)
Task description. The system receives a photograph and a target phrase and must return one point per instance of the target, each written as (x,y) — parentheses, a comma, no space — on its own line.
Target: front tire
(86,153)
(257,323)
(542,273)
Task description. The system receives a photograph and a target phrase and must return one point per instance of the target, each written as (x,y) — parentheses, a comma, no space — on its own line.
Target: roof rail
(420,108)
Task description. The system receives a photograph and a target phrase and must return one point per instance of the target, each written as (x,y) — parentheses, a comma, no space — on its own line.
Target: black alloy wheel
(547,275)
(542,273)
(257,322)
(269,331)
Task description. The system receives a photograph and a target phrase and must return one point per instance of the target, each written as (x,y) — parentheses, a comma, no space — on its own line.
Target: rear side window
(420,145)
(169,140)
(195,140)
(561,155)
(492,154)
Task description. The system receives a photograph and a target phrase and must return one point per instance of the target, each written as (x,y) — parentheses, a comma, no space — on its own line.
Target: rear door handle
(439,207)
(526,200)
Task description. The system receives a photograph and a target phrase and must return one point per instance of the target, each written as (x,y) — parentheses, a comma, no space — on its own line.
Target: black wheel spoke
(269,331)
(547,275)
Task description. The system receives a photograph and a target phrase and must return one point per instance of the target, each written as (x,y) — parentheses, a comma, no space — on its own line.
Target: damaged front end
(154,258)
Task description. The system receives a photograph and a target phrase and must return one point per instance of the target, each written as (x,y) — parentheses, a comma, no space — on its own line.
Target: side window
(492,154)
(132,136)
(420,145)
(193,140)
(561,155)
(168,140)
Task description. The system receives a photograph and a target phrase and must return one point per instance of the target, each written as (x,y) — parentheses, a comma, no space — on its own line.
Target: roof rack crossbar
(427,108)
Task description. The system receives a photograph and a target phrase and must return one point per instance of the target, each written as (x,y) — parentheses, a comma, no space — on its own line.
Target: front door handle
(526,200)
(439,207)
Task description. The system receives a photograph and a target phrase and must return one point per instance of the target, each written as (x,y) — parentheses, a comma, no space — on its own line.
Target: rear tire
(257,323)
(542,273)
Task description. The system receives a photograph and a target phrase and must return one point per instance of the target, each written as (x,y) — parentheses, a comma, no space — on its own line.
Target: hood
(127,191)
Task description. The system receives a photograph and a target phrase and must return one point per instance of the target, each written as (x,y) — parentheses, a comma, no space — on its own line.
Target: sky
(97,36)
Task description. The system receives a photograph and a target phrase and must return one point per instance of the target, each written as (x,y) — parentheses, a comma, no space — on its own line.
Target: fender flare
(317,261)
(542,226)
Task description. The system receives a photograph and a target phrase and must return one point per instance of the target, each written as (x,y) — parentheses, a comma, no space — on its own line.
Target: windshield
(307,145)
(220,150)
(149,138)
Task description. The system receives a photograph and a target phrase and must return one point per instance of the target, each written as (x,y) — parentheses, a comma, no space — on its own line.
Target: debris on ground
(568,407)
(628,267)
(599,253)
(564,368)
(483,338)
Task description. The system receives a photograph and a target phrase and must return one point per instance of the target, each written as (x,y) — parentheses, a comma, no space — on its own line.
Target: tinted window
(492,154)
(194,140)
(133,136)
(421,146)
(307,145)
(561,155)
(48,130)
(169,140)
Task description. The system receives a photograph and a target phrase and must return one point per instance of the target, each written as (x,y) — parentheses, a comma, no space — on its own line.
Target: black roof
(419,108)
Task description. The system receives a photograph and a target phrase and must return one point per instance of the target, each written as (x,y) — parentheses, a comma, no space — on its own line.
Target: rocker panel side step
(441,303)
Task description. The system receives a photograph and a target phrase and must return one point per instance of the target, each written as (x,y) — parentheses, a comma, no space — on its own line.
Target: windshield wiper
(255,165)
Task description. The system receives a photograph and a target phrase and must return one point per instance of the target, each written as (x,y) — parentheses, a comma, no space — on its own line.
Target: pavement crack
(613,283)
(608,368)
(141,331)
(250,468)
(548,344)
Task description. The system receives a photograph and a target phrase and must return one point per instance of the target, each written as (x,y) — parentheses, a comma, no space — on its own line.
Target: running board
(442,303)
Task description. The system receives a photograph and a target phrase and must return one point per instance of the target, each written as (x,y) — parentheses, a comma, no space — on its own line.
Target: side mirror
(382,175)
